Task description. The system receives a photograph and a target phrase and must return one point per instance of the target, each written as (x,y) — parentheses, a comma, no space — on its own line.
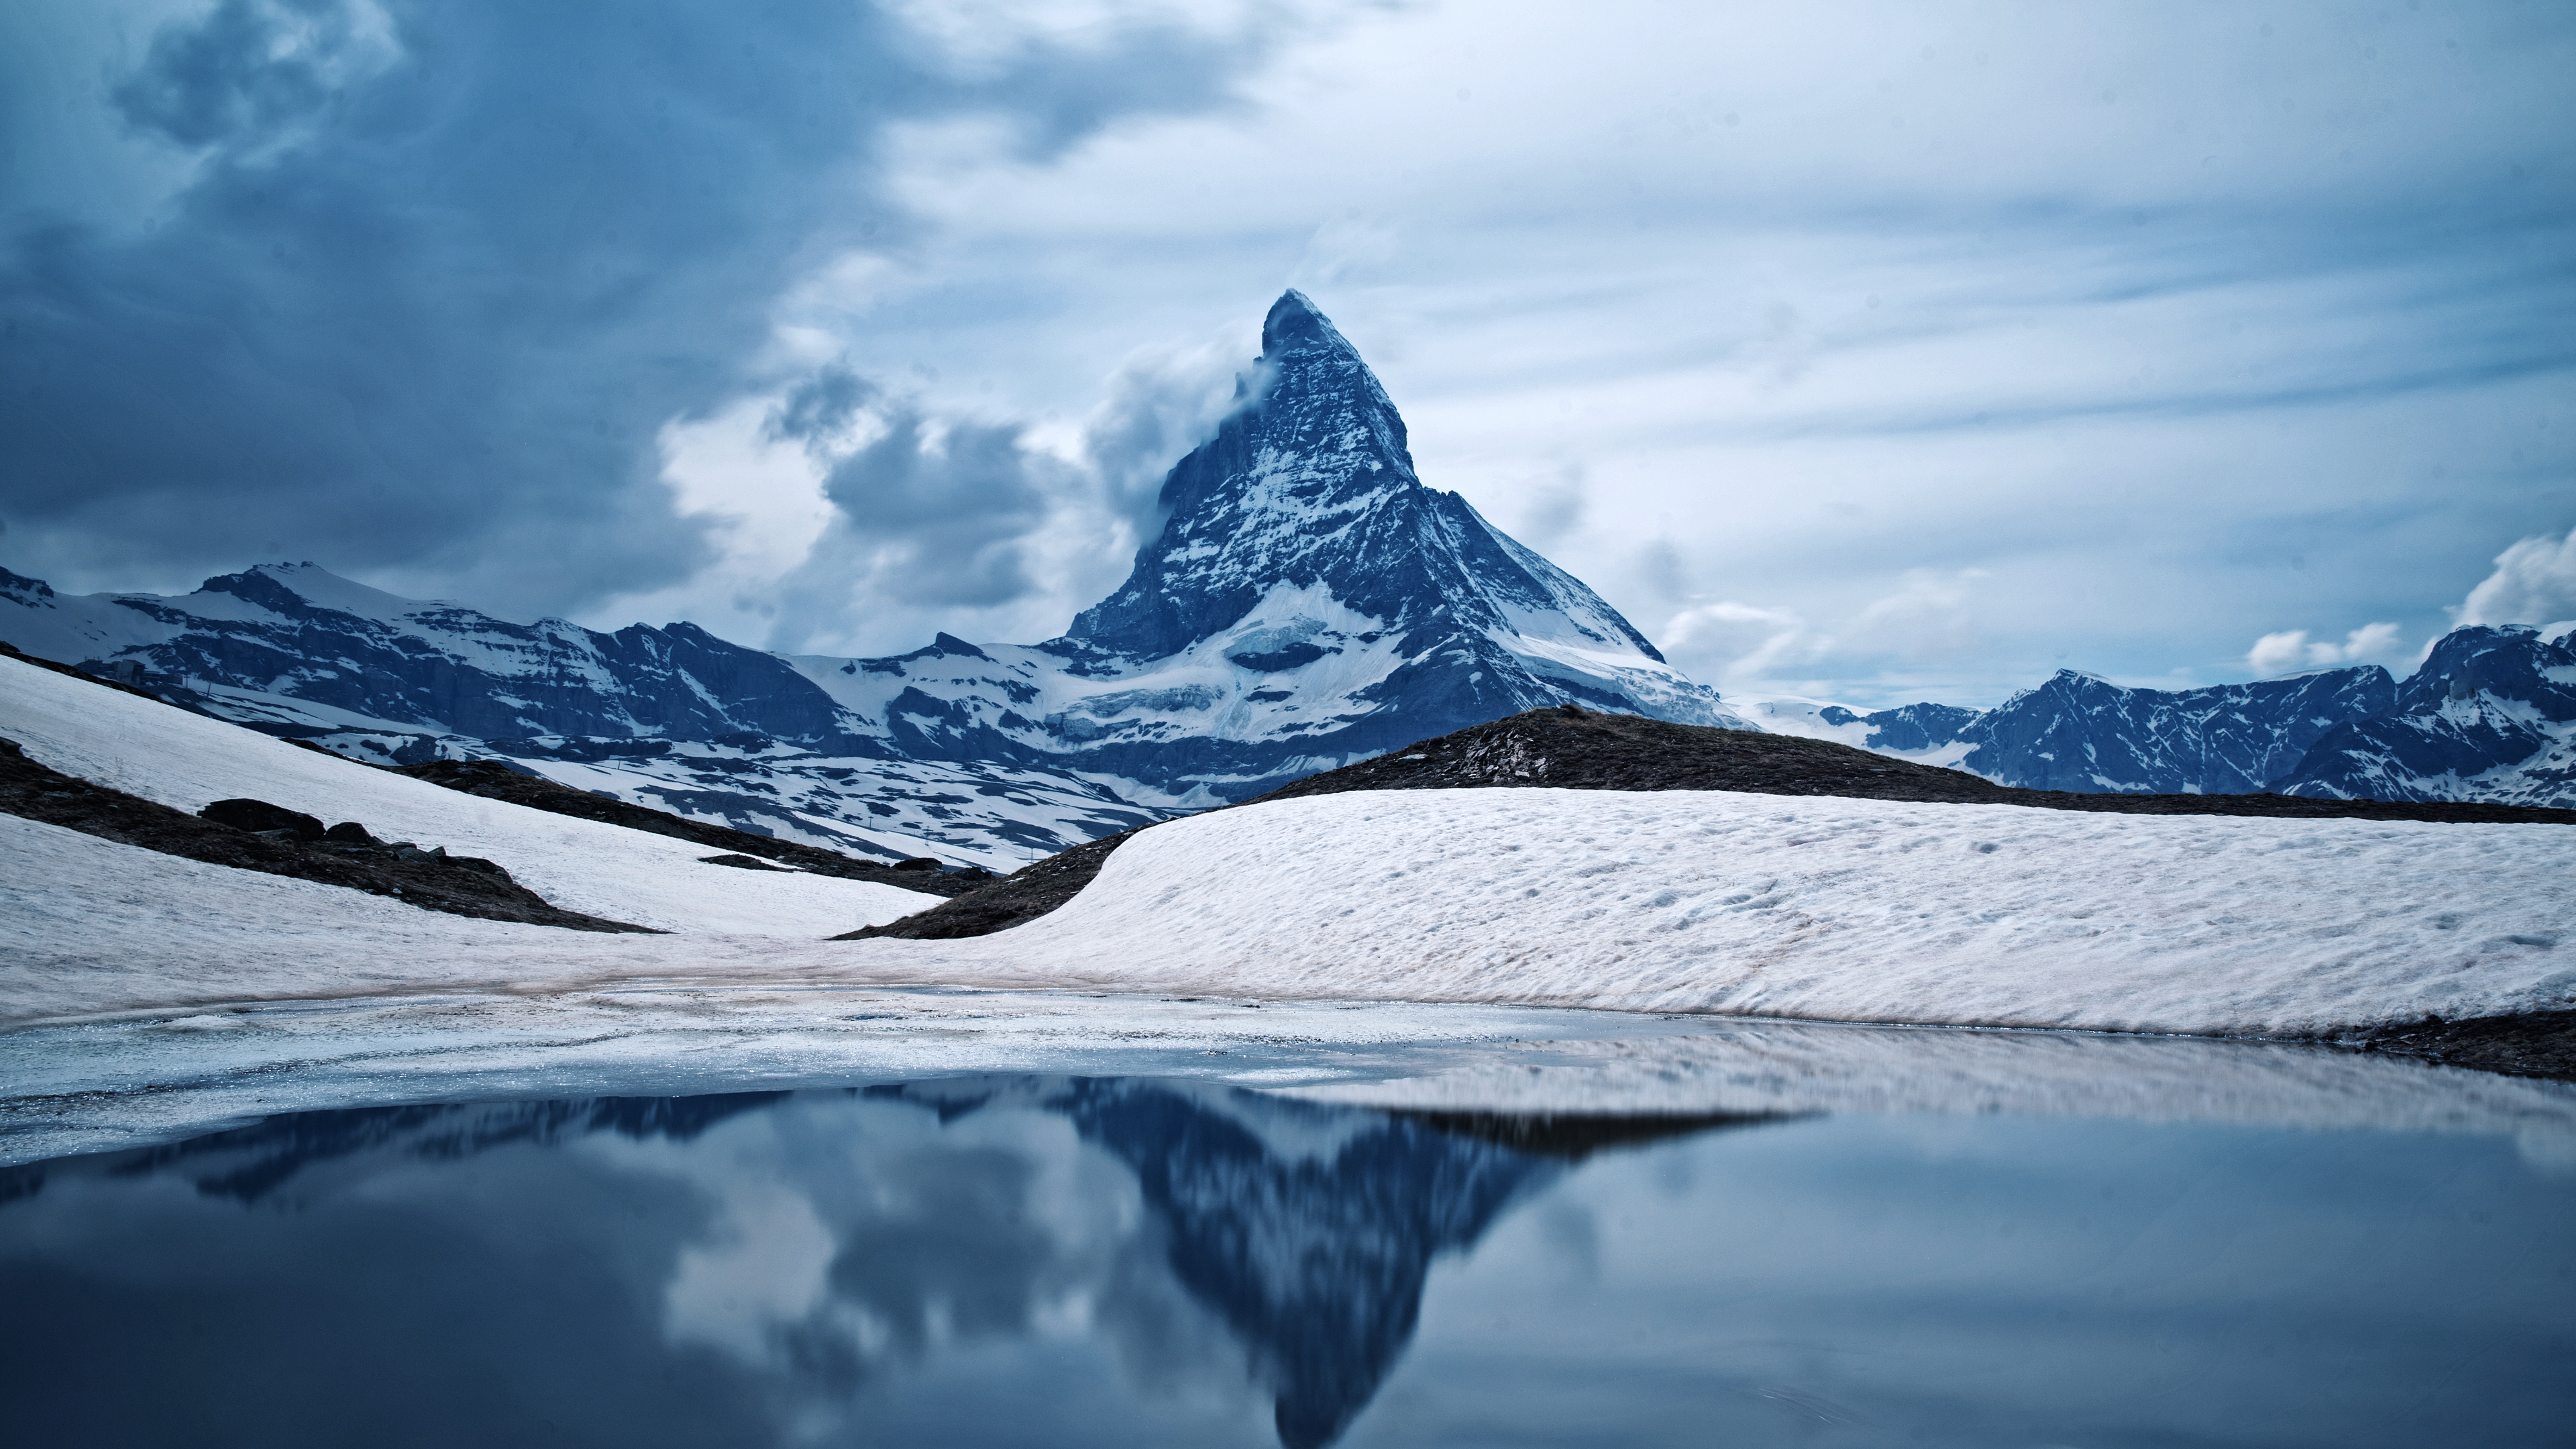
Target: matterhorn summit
(1314,597)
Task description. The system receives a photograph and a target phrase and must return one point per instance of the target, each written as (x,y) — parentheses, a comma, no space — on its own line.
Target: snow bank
(185,761)
(1849,910)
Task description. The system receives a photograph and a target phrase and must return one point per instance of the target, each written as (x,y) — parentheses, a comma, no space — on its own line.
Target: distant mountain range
(2490,715)
(1308,603)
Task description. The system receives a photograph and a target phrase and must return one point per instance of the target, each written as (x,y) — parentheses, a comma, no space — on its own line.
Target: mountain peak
(1301,533)
(1295,324)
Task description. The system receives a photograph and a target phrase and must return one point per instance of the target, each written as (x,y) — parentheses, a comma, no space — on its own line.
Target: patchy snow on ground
(187,762)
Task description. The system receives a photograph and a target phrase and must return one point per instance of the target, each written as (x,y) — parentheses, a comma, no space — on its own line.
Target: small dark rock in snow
(739,862)
(259,817)
(349,832)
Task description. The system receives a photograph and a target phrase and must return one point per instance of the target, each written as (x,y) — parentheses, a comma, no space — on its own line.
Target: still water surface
(1070,1261)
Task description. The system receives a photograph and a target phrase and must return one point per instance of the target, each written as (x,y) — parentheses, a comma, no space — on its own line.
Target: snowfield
(187,762)
(1674,901)
(1832,909)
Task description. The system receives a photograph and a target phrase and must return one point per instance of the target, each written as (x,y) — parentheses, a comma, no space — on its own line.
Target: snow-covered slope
(1833,909)
(671,718)
(187,761)
(303,647)
(1842,909)
(1927,734)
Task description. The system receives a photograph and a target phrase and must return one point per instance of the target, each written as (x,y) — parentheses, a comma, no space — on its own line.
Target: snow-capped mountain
(2491,715)
(673,718)
(1309,602)
(2080,732)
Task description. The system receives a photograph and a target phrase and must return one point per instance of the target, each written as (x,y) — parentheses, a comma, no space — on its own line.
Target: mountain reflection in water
(1127,1262)
(820,1241)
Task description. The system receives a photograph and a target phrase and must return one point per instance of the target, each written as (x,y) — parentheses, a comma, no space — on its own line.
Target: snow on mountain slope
(2083,733)
(2491,715)
(186,761)
(1308,603)
(284,638)
(674,719)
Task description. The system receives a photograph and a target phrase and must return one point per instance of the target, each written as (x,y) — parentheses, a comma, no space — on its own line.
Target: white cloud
(2292,649)
(2534,583)
(1927,619)
(1730,641)
(1776,648)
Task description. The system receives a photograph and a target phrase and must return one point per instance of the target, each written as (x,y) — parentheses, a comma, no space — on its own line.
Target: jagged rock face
(2491,715)
(1907,729)
(1312,484)
(2077,732)
(1300,536)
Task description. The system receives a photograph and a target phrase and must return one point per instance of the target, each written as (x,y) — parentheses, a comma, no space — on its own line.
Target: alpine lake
(1850,1237)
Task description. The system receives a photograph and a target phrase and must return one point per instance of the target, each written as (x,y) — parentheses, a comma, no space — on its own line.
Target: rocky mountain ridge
(2490,715)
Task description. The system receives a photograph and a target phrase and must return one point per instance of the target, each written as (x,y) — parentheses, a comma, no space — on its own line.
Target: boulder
(259,816)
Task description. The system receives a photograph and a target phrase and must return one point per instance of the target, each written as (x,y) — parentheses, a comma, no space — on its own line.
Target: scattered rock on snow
(260,818)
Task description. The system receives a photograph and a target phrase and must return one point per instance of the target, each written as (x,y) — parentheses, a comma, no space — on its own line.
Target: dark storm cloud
(926,511)
(445,269)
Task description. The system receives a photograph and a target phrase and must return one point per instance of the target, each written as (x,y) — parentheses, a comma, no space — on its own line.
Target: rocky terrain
(282,843)
(493,780)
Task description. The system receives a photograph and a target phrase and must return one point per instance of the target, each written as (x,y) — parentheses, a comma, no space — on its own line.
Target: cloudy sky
(1876,352)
